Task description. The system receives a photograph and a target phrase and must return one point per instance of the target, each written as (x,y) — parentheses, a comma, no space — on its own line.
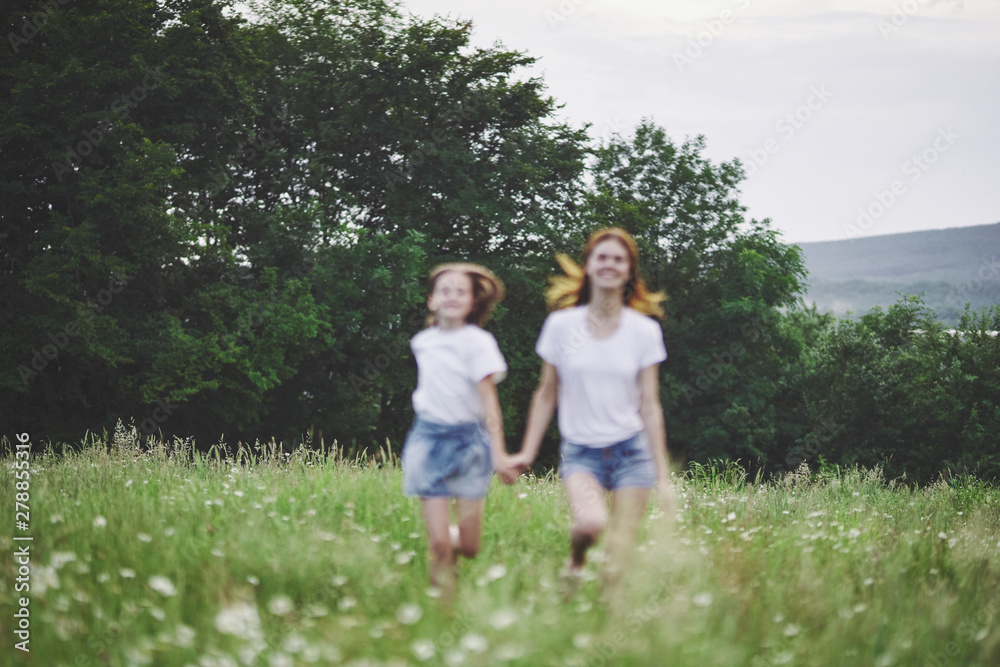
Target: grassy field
(166,558)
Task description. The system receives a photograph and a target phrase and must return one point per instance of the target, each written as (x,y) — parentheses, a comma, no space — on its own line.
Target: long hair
(573,289)
(487,290)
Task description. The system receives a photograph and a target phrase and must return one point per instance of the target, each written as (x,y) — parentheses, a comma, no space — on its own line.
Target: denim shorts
(446,460)
(628,463)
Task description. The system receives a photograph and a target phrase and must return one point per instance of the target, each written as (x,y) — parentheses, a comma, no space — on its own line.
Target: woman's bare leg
(590,515)
(628,506)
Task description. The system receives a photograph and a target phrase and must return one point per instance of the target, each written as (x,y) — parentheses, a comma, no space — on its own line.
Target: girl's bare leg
(437,512)
(470,527)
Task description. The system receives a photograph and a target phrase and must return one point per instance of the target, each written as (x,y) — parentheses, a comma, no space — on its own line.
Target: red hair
(573,289)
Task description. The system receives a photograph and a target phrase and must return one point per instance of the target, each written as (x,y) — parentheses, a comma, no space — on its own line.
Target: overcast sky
(854,118)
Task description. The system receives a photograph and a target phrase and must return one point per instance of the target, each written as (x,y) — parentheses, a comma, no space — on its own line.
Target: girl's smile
(452,299)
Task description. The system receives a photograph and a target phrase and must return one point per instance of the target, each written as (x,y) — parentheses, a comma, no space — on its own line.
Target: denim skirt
(446,460)
(628,463)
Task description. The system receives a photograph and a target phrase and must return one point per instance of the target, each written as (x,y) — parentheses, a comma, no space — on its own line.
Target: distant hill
(949,266)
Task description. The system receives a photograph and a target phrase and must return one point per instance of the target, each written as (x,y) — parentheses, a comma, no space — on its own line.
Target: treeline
(219,227)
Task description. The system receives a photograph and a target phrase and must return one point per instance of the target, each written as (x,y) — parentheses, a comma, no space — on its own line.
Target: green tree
(397,129)
(255,217)
(729,283)
(101,117)
(906,394)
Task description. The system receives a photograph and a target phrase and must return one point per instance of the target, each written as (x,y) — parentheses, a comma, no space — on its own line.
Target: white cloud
(612,63)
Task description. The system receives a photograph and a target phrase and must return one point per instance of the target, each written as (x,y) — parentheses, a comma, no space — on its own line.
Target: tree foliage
(219,225)
(896,389)
(728,281)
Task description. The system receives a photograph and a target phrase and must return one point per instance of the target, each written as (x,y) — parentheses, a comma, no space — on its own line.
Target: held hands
(505,471)
(520,462)
(510,467)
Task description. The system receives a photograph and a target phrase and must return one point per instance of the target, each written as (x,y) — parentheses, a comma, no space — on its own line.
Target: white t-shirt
(450,363)
(599,378)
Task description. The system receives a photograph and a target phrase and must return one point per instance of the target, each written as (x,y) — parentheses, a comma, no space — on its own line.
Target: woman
(601,352)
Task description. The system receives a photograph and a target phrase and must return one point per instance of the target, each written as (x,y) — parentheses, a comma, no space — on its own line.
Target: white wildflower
(423,649)
(503,618)
(162,585)
(184,636)
(239,620)
(294,643)
(43,578)
(474,643)
(702,599)
(454,657)
(408,614)
(60,558)
(316,610)
(508,652)
(280,605)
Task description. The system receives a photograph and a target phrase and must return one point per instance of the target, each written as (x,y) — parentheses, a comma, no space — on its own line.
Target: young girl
(601,352)
(457,438)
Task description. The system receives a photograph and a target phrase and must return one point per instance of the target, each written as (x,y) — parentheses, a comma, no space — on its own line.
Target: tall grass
(260,557)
